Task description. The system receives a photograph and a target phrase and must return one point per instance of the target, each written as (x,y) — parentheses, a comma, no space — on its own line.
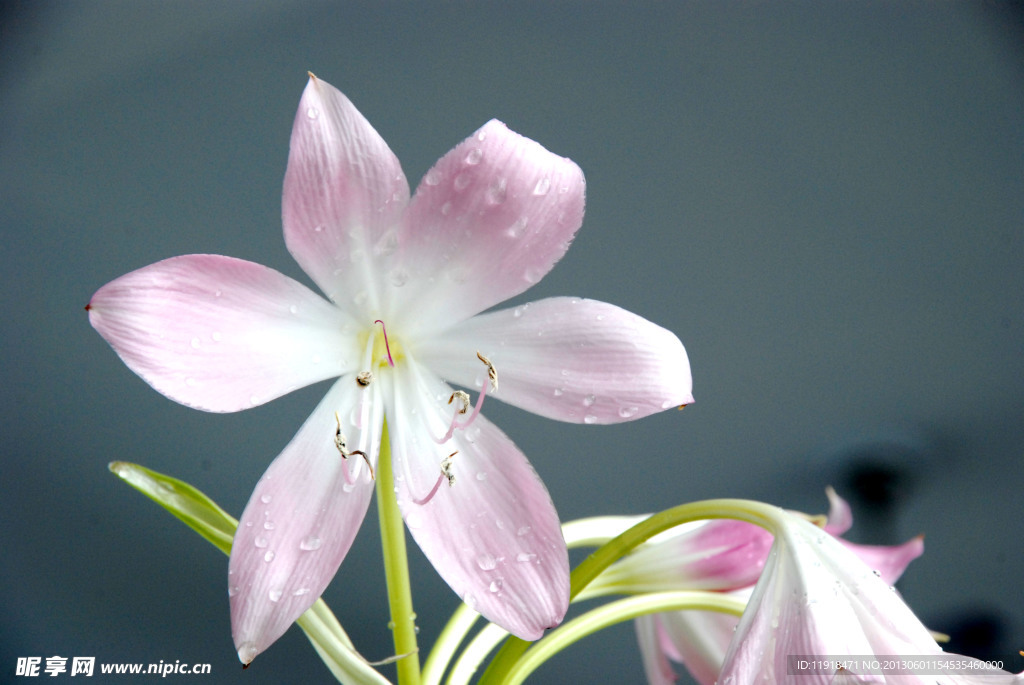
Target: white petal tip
(247,652)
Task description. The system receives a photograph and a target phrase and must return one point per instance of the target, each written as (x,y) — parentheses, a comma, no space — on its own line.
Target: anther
(364,378)
(340,444)
(391,362)
(463,397)
(492,373)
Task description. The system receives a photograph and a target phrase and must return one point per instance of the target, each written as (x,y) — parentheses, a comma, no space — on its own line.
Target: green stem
(396,568)
(617,612)
(758,513)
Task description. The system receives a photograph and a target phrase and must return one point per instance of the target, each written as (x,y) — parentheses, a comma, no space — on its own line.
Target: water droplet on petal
(275,595)
(496,585)
(268,557)
(247,652)
(628,412)
(318,228)
(232,590)
(446,208)
(261,542)
(469,599)
(559,392)
(525,557)
(312,112)
(348,487)
(518,228)
(498,192)
(254,400)
(486,562)
(523,530)
(432,178)
(461,182)
(266,499)
(589,418)
(310,543)
(474,156)
(216,335)
(669,403)
(268,525)
(589,400)
(301,591)
(293,309)
(532,275)
(481,476)
(196,343)
(542,187)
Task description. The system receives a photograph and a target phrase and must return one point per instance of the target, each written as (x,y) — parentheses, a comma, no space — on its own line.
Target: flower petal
(302,518)
(486,223)
(888,561)
(581,361)
(221,334)
(343,190)
(493,535)
(840,516)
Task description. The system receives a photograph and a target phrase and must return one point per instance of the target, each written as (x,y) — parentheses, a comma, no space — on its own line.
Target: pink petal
(840,516)
(889,562)
(700,640)
(487,222)
(344,191)
(221,334)
(302,517)
(494,534)
(650,636)
(575,360)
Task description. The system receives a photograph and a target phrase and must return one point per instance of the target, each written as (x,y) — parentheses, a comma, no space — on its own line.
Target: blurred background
(824,202)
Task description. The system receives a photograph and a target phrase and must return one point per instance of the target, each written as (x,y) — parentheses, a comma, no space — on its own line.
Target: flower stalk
(396,569)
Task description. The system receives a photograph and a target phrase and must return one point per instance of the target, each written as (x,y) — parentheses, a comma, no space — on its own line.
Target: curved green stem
(758,513)
(396,568)
(616,612)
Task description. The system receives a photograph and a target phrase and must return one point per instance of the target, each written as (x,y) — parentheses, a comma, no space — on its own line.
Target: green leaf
(202,515)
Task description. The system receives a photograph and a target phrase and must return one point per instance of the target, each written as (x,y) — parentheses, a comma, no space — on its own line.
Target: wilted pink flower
(721,555)
(406,280)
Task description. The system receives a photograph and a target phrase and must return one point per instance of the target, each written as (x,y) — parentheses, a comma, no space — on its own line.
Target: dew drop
(469,599)
(268,557)
(217,293)
(532,275)
(480,135)
(525,557)
(301,591)
(559,392)
(196,343)
(387,244)
(312,112)
(318,228)
(523,530)
(293,309)
(542,187)
(481,476)
(589,418)
(669,403)
(461,182)
(247,652)
(498,192)
(216,335)
(398,277)
(268,525)
(275,595)
(432,178)
(496,585)
(474,156)
(266,499)
(261,542)
(486,562)
(628,412)
(310,543)
(446,208)
(589,400)
(518,228)
(232,590)
(348,487)
(254,400)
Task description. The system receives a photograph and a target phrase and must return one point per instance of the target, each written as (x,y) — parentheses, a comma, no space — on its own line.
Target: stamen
(446,473)
(391,362)
(492,373)
(364,378)
(340,444)
(464,397)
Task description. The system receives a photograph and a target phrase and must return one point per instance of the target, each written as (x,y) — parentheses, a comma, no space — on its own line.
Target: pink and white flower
(726,556)
(406,279)
(816,597)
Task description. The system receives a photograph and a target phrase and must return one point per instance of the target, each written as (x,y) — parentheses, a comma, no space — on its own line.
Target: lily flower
(721,555)
(816,598)
(406,280)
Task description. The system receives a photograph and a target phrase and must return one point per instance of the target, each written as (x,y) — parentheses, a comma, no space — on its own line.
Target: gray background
(823,201)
